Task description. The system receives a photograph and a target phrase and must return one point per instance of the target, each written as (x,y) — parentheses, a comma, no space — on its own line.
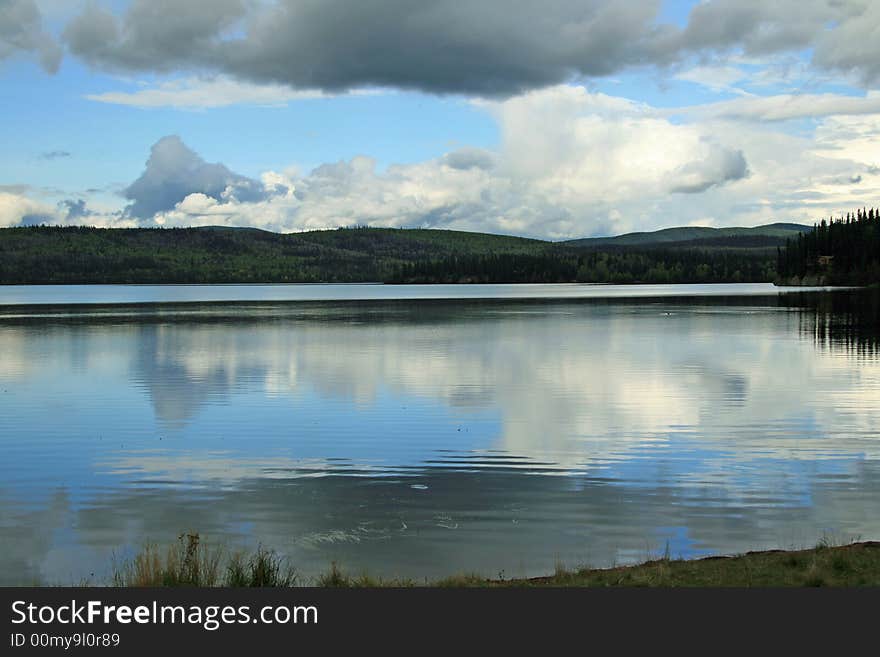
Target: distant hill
(771,235)
(51,254)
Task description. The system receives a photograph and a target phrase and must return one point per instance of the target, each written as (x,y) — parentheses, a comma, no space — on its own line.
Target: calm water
(133,294)
(424,438)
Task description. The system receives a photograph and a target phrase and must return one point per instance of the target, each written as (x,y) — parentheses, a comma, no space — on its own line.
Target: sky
(559,119)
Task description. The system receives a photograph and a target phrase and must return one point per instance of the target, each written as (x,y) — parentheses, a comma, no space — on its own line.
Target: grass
(262,569)
(857,564)
(188,562)
(336,578)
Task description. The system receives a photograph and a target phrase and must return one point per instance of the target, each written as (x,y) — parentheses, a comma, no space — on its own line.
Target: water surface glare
(422,438)
(122,294)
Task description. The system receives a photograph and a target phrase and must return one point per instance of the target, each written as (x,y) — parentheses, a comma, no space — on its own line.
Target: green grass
(264,568)
(857,564)
(189,562)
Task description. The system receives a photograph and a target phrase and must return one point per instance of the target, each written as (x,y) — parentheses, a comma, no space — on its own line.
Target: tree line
(47,254)
(841,251)
(620,265)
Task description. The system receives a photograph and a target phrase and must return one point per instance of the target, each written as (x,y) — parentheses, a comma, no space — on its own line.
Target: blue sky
(578,118)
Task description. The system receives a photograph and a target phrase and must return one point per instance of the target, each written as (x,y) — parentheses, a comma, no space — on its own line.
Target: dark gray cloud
(21,31)
(174,171)
(55,155)
(720,166)
(37,220)
(842,33)
(758,26)
(74,209)
(70,211)
(854,179)
(470,158)
(853,46)
(491,47)
(153,34)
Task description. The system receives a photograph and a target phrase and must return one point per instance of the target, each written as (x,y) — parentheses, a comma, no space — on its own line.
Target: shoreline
(20,296)
(190,563)
(734,570)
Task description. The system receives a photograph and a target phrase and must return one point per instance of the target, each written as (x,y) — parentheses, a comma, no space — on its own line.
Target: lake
(423,431)
(140,294)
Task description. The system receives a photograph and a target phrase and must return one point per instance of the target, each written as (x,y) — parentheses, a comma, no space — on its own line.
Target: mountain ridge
(51,254)
(683,234)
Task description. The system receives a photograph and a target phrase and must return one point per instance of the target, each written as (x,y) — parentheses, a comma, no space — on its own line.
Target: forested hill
(213,255)
(43,254)
(769,236)
(843,251)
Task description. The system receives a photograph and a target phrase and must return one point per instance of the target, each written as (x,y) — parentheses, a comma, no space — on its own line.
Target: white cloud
(853,137)
(15,207)
(723,388)
(572,163)
(202,93)
(716,78)
(584,148)
(569,163)
(784,107)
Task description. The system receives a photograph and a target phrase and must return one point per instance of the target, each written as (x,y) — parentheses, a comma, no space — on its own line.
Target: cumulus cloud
(74,209)
(570,163)
(842,34)
(21,31)
(19,209)
(721,165)
(173,172)
(586,149)
(486,48)
(853,45)
(15,207)
(470,158)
